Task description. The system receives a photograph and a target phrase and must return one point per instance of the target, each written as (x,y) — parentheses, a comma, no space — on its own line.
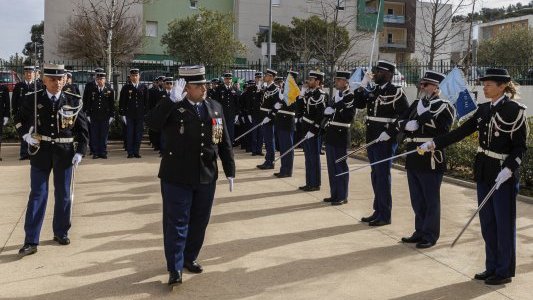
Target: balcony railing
(400,44)
(394,19)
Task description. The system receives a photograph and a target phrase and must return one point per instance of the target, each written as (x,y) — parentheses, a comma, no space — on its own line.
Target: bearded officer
(196,134)
(59,144)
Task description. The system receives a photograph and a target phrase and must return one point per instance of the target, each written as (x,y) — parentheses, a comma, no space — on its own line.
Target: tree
(495,52)
(203,38)
(37,33)
(281,35)
(102,32)
(435,33)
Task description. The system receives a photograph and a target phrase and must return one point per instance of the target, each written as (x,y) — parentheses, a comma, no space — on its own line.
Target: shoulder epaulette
(72,94)
(31,93)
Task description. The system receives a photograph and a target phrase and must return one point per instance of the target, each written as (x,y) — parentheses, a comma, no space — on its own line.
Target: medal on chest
(218,130)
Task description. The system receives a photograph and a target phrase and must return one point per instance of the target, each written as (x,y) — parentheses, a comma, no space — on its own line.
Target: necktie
(54,99)
(197,107)
(54,102)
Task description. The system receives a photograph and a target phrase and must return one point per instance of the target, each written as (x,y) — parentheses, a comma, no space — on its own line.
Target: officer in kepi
(384,103)
(56,143)
(503,127)
(132,107)
(270,97)
(426,118)
(228,97)
(196,134)
(100,114)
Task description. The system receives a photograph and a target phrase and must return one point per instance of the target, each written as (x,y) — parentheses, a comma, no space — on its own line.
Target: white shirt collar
(497,101)
(193,104)
(50,95)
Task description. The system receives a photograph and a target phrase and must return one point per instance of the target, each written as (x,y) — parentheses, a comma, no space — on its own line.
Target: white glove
(412,125)
(250,118)
(366,79)
(111,120)
(329,110)
(29,139)
(177,94)
(427,146)
(383,137)
(5,120)
(124,120)
(265,120)
(89,119)
(502,177)
(280,95)
(302,91)
(309,135)
(236,119)
(230,181)
(420,108)
(277,105)
(76,160)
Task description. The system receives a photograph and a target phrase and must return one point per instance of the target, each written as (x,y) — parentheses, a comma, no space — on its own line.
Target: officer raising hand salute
(195,132)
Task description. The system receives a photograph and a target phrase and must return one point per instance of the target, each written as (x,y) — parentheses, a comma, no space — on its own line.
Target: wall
(423,16)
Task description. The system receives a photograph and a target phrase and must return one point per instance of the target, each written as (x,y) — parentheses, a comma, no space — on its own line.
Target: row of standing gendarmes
(194,130)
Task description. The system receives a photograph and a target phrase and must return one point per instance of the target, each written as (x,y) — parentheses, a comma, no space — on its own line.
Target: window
(389,39)
(390,12)
(194,4)
(276,2)
(151,28)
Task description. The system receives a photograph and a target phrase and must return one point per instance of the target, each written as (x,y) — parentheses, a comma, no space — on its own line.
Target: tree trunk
(110,39)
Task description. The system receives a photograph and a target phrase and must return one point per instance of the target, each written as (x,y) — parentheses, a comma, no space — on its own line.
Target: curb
(452,180)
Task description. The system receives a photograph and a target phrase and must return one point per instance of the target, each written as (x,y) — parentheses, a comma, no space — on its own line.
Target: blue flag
(455,89)
(356,78)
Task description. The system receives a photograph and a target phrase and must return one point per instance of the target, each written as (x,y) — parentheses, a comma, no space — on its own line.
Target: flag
(292,91)
(455,89)
(356,78)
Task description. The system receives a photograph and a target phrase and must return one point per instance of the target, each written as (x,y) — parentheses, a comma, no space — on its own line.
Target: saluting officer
(337,138)
(100,114)
(383,104)
(60,124)
(256,135)
(132,107)
(228,97)
(19,93)
(4,112)
(503,128)
(270,97)
(285,127)
(426,118)
(315,102)
(196,133)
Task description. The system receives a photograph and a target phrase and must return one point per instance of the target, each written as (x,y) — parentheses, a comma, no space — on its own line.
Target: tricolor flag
(292,91)
(356,78)
(455,89)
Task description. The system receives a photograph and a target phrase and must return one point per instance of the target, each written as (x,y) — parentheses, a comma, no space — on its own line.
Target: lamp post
(269,52)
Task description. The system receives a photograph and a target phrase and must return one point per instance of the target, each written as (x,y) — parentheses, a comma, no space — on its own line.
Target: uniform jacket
(133,101)
(191,152)
(101,105)
(387,101)
(502,129)
(49,124)
(229,99)
(4,103)
(315,101)
(270,97)
(338,127)
(19,93)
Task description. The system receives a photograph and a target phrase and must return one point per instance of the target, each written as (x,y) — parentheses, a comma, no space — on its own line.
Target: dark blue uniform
(337,139)
(246,101)
(154,95)
(285,127)
(57,148)
(256,137)
(383,104)
(270,97)
(72,88)
(424,172)
(502,143)
(228,97)
(17,98)
(4,108)
(315,101)
(189,172)
(132,104)
(100,108)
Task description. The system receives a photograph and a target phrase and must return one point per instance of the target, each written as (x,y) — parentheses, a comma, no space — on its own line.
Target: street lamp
(269,52)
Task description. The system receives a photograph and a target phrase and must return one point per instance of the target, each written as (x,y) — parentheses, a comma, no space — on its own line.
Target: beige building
(490,29)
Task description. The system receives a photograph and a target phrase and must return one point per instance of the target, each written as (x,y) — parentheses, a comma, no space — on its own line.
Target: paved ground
(266,240)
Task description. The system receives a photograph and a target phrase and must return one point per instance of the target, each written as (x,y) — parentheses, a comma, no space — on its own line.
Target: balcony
(392,19)
(397,44)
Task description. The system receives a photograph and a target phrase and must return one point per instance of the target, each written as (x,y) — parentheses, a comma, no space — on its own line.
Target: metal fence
(406,75)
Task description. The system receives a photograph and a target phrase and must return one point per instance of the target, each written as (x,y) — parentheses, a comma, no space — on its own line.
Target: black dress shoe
(265,167)
(130,155)
(258,154)
(137,155)
(277,174)
(24,158)
(376,223)
(423,244)
(311,189)
(329,199)
(27,249)
(284,175)
(104,156)
(193,266)
(174,278)
(62,240)
(483,275)
(303,187)
(339,202)
(369,218)
(497,280)
(411,239)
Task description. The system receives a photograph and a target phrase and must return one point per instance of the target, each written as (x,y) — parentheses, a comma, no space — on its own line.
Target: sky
(15,24)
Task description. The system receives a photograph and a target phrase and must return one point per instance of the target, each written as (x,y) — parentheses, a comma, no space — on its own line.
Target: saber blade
(291,149)
(355,151)
(378,162)
(247,132)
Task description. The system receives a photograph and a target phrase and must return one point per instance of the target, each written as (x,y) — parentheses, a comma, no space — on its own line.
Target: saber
(356,150)
(383,160)
(375,36)
(475,213)
(248,131)
(72,177)
(291,149)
